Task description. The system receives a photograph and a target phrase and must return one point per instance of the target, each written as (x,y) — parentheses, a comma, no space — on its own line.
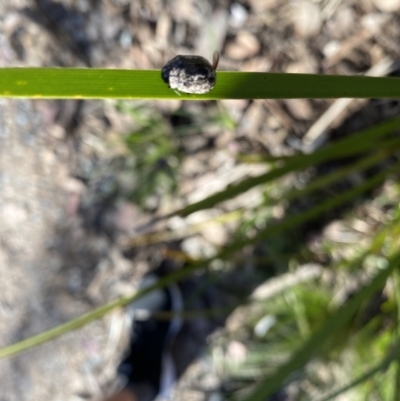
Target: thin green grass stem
(386,148)
(291,221)
(396,277)
(95,83)
(95,314)
(329,179)
(350,146)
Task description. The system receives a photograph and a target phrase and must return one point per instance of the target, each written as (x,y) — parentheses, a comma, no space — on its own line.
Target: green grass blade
(386,149)
(79,83)
(315,342)
(339,174)
(355,144)
(291,221)
(396,280)
(41,338)
(381,366)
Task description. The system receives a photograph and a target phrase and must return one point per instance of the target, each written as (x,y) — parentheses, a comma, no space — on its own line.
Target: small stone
(238,15)
(300,108)
(307,19)
(244,46)
(387,5)
(236,352)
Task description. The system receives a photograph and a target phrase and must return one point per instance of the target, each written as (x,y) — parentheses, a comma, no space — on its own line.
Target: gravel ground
(63,237)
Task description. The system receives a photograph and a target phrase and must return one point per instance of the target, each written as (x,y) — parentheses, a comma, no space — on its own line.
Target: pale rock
(300,108)
(236,352)
(197,248)
(306,66)
(342,23)
(331,48)
(13,214)
(307,18)
(238,16)
(215,233)
(373,22)
(256,64)
(244,46)
(387,5)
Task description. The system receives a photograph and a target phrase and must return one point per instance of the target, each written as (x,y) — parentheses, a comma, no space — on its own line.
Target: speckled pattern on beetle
(190,74)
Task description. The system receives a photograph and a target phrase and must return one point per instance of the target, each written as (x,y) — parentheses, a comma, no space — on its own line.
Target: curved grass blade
(291,221)
(386,148)
(95,314)
(80,83)
(355,144)
(341,173)
(315,342)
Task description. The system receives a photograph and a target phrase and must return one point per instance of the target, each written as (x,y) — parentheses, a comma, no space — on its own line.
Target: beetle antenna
(215,60)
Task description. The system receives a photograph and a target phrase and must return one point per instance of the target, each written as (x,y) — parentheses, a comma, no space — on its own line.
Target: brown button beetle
(190,74)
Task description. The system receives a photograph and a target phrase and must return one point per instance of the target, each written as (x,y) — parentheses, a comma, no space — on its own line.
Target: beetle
(191,74)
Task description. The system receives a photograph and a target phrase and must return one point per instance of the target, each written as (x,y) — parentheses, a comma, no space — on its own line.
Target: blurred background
(81,183)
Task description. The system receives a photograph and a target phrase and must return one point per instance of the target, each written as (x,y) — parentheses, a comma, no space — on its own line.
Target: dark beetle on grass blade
(190,74)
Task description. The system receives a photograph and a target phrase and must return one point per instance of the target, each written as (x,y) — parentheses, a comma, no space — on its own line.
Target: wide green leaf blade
(79,83)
